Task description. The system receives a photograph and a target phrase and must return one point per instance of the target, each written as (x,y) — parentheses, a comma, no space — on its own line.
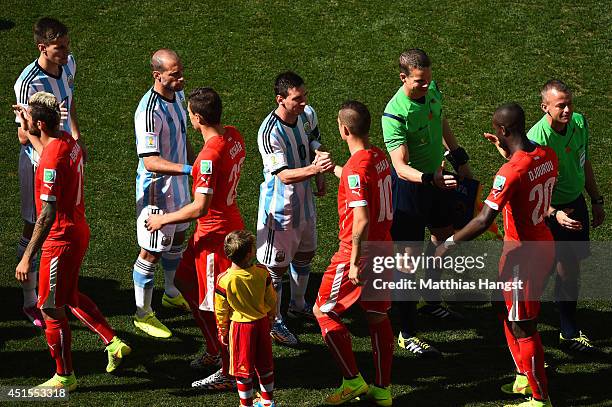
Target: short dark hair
(47,30)
(237,245)
(285,81)
(44,107)
(207,103)
(356,116)
(555,84)
(413,58)
(512,117)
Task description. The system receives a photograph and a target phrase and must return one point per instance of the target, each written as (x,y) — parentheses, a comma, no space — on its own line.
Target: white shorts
(28,161)
(160,240)
(277,248)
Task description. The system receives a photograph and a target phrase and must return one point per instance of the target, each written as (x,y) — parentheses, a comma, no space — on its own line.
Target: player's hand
(355,274)
(566,222)
(441,250)
(83,149)
(63,111)
(495,141)
(22,269)
(323,164)
(321,185)
(599,214)
(22,115)
(444,181)
(154,222)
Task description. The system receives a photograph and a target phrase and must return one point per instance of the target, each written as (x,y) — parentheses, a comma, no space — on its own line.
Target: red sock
(90,315)
(266,386)
(532,355)
(513,345)
(59,338)
(381,335)
(338,340)
(245,391)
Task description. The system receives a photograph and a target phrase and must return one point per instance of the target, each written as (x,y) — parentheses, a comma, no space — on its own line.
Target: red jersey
(366,181)
(59,179)
(216,171)
(523,188)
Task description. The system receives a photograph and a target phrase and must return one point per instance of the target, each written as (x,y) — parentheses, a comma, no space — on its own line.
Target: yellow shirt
(243,296)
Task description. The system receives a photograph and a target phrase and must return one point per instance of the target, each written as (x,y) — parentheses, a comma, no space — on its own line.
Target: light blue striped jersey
(35,79)
(281,145)
(160,126)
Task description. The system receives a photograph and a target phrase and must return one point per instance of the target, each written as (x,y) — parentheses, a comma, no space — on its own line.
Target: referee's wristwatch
(598,201)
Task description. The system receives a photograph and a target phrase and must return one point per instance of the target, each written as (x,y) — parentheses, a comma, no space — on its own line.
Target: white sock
(170,261)
(277,283)
(298,278)
(143,286)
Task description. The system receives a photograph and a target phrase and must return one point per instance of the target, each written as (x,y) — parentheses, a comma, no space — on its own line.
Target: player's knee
(375,318)
(317,312)
(523,329)
(171,259)
(50,314)
(151,257)
(329,322)
(276,274)
(303,258)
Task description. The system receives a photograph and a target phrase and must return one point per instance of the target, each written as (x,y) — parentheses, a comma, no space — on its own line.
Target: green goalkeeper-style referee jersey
(418,126)
(572,150)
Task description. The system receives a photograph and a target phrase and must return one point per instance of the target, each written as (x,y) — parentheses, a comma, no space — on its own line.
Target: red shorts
(58,277)
(525,270)
(201,263)
(337,293)
(250,347)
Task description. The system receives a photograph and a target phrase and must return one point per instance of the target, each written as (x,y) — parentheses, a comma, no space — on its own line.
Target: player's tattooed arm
(361,223)
(41,231)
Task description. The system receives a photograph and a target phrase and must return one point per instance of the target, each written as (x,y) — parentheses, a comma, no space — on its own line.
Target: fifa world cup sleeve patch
(354,182)
(49,176)
(499,182)
(206,167)
(48,187)
(275,161)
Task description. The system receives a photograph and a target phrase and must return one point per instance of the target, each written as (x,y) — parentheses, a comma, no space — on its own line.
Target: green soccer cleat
(532,403)
(152,326)
(417,346)
(347,391)
(178,302)
(60,382)
(580,344)
(381,396)
(519,386)
(117,350)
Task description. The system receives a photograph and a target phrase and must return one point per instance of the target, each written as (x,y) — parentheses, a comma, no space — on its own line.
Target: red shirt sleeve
(356,186)
(505,183)
(208,166)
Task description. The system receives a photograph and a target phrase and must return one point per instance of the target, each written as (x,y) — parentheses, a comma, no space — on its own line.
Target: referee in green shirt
(567,132)
(416,134)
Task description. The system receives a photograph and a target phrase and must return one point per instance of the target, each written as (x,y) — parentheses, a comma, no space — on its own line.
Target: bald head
(512,117)
(163,58)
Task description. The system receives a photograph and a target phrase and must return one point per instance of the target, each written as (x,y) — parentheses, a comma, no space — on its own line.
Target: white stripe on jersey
(282,206)
(160,128)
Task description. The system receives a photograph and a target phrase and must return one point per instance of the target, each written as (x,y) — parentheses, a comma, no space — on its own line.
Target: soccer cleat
(531,402)
(520,385)
(380,396)
(259,402)
(35,316)
(117,350)
(206,360)
(282,335)
(60,382)
(348,390)
(178,302)
(294,312)
(417,346)
(580,343)
(439,311)
(216,381)
(152,326)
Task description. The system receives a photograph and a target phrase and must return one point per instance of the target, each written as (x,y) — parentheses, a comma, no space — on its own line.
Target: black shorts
(417,206)
(576,241)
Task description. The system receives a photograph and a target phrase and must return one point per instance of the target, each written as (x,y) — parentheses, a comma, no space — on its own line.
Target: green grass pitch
(484,53)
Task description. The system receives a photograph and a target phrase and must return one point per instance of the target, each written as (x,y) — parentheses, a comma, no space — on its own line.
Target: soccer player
(161,182)
(288,142)
(62,233)
(53,71)
(245,302)
(416,133)
(216,173)
(522,189)
(365,214)
(567,132)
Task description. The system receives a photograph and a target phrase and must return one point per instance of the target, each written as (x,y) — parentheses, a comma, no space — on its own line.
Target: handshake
(323,162)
